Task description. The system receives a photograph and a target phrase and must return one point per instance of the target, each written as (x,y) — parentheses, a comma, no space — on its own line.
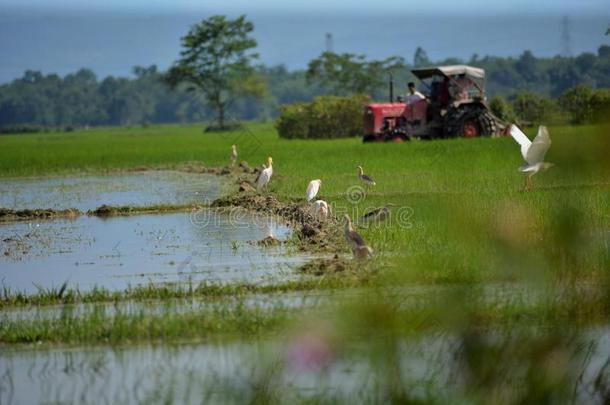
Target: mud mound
(313,233)
(269,241)
(322,267)
(110,210)
(103,211)
(7,214)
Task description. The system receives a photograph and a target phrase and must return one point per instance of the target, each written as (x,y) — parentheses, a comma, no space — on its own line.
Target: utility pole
(329,42)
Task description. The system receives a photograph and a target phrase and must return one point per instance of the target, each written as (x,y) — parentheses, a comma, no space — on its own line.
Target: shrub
(502,109)
(22,129)
(325,118)
(600,102)
(292,122)
(533,109)
(586,105)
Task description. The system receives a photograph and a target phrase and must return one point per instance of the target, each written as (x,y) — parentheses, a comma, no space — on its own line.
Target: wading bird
(377,215)
(366,179)
(265,175)
(321,209)
(233,155)
(312,189)
(533,152)
(359,247)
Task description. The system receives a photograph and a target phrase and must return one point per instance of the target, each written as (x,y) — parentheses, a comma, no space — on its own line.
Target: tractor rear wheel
(469,122)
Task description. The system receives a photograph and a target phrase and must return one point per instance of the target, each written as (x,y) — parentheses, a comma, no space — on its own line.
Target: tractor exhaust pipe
(391,88)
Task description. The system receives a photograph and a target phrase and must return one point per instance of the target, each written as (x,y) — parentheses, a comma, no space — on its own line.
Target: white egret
(265,175)
(377,215)
(321,209)
(359,247)
(533,152)
(312,189)
(233,155)
(366,179)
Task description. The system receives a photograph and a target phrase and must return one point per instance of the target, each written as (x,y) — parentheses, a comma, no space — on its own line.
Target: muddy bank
(311,233)
(7,214)
(10,215)
(328,266)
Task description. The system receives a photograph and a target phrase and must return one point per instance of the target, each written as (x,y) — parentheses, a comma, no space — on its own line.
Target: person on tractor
(460,89)
(413,95)
(444,96)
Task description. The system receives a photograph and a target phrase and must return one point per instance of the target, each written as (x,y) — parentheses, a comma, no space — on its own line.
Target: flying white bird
(312,189)
(233,155)
(366,179)
(533,152)
(359,247)
(265,175)
(321,209)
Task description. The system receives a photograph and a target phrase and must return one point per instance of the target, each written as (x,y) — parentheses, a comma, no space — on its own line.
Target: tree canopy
(216,62)
(39,101)
(348,73)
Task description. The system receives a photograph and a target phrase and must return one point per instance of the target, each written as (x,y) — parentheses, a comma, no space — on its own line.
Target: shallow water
(120,251)
(89,192)
(292,299)
(186,373)
(235,372)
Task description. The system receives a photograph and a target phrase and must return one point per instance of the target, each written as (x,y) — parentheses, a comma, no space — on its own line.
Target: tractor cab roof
(450,71)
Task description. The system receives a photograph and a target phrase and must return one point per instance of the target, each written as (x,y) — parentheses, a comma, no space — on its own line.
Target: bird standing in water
(533,152)
(312,189)
(265,175)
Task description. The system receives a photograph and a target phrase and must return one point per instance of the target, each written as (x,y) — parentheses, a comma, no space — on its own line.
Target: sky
(112,36)
(350,6)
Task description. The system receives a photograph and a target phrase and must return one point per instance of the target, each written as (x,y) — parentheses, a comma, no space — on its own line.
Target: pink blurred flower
(311,351)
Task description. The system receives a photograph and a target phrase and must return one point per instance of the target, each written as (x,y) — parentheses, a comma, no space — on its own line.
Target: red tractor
(454,105)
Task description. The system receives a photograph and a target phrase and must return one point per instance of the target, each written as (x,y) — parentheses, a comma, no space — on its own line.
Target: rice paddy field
(478,292)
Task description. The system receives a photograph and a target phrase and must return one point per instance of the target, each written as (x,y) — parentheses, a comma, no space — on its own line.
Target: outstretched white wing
(537,150)
(521,139)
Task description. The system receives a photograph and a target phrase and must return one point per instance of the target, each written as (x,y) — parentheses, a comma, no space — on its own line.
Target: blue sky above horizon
(398,6)
(112,36)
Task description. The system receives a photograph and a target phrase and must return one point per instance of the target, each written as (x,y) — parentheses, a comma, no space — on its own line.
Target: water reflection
(255,371)
(121,251)
(90,192)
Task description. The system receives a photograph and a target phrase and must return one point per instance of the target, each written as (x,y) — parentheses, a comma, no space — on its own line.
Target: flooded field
(117,252)
(240,372)
(122,251)
(89,192)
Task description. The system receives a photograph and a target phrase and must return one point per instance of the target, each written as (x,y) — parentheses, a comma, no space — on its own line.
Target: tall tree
(348,73)
(421,58)
(216,61)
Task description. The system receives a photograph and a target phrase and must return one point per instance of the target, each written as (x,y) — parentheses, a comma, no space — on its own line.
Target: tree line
(217,78)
